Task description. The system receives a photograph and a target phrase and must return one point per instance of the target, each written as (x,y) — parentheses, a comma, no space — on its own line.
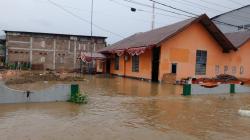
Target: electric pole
(153,16)
(91,37)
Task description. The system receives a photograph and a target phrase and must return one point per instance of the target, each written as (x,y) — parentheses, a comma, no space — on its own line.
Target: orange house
(190,48)
(240,59)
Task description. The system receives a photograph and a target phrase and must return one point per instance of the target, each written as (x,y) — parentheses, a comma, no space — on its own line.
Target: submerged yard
(127,109)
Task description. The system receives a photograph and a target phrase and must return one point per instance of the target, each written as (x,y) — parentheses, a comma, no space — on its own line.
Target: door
(155,63)
(108,66)
(174,68)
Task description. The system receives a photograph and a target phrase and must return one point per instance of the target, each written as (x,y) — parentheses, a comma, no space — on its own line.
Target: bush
(79,98)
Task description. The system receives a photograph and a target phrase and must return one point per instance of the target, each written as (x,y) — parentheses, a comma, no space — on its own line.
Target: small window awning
(88,57)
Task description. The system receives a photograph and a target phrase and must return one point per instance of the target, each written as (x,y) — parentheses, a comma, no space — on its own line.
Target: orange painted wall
(126,66)
(182,48)
(241,58)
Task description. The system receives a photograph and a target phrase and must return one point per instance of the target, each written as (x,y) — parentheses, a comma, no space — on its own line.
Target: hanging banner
(136,51)
(119,52)
(86,59)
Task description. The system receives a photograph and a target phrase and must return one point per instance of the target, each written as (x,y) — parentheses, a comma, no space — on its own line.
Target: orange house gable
(191,48)
(181,50)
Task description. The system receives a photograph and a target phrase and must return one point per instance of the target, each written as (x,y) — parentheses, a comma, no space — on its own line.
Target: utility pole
(153,16)
(91,37)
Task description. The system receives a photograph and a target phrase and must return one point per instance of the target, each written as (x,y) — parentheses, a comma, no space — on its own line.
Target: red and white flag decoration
(118,52)
(86,59)
(136,51)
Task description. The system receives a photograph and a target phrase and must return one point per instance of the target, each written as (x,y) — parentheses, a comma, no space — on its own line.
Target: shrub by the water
(79,98)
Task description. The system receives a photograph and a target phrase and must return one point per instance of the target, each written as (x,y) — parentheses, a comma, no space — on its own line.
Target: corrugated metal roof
(246,6)
(155,37)
(238,38)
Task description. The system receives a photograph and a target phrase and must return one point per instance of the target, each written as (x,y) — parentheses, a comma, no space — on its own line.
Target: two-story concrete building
(49,50)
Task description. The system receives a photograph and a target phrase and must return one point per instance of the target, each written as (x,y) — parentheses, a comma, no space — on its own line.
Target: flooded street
(127,109)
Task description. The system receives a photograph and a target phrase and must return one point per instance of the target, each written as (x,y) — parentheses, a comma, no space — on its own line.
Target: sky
(111,18)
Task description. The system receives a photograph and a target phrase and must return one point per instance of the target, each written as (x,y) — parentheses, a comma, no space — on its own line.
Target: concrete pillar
(69,46)
(31,51)
(74,54)
(54,55)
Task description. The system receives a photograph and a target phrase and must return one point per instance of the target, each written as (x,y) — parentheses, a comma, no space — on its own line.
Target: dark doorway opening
(174,68)
(155,63)
(108,63)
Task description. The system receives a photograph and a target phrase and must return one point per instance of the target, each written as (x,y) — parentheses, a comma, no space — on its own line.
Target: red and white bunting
(118,52)
(86,59)
(136,51)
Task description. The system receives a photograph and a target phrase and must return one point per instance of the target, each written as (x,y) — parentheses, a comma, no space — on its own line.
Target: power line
(174,8)
(82,19)
(217,4)
(142,10)
(149,6)
(193,13)
(233,16)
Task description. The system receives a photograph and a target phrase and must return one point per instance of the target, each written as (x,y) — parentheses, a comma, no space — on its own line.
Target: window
(116,62)
(225,69)
(42,59)
(241,70)
(43,44)
(61,59)
(234,70)
(174,68)
(217,69)
(135,63)
(201,62)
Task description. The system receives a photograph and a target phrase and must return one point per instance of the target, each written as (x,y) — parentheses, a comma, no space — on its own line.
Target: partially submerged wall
(60,92)
(196,89)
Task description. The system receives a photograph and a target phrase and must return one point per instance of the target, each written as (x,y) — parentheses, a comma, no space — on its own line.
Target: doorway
(155,63)
(174,68)
(108,66)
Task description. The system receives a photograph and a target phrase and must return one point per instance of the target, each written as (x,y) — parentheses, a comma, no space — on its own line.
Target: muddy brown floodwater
(127,109)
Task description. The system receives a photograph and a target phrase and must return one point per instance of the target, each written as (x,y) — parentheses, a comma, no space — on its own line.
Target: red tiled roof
(238,38)
(156,36)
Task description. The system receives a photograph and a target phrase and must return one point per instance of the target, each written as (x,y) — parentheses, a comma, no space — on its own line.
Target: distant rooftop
(59,34)
(246,6)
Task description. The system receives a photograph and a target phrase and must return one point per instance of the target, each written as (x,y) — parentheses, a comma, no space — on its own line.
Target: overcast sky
(113,16)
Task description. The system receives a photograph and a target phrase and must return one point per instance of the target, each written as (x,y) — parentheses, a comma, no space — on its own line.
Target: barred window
(117,62)
(225,69)
(135,63)
(234,70)
(241,70)
(217,69)
(201,62)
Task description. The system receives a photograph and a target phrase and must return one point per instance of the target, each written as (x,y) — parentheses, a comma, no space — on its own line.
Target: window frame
(201,62)
(135,63)
(116,62)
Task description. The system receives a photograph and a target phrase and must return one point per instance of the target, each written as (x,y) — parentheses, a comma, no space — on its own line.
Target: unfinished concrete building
(49,51)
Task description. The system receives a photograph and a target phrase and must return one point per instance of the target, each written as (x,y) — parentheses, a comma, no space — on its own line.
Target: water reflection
(128,109)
